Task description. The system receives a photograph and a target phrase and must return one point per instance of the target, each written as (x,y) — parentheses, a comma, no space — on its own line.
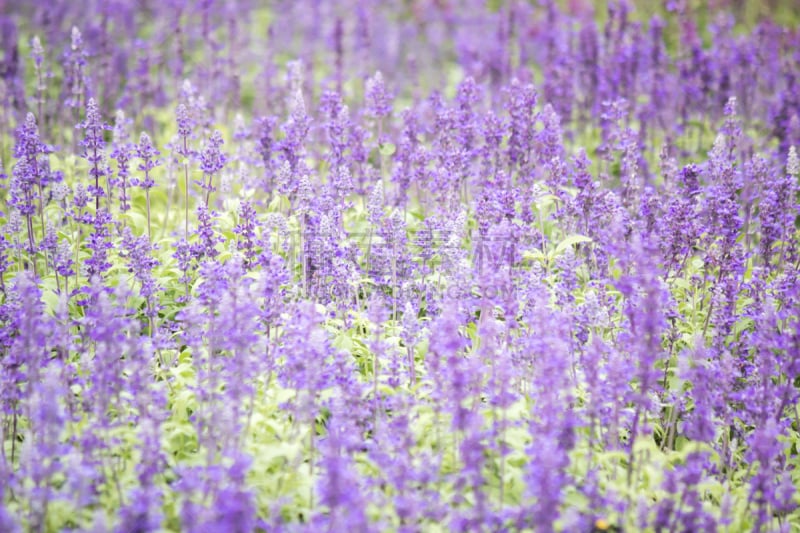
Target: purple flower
(246,231)
(208,238)
(123,153)
(147,153)
(185,126)
(212,160)
(93,149)
(377,100)
(75,59)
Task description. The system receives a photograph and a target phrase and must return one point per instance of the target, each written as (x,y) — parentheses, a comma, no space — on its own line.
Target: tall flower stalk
(184,131)
(147,154)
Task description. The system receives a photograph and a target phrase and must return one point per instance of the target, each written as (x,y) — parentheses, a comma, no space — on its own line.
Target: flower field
(414,265)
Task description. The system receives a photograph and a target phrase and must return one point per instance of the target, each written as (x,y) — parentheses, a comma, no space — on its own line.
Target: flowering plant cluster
(399,266)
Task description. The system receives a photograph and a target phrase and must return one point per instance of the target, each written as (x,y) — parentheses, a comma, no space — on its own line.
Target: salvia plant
(399,266)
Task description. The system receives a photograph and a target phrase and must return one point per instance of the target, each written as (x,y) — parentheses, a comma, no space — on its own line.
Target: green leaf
(535,255)
(571,241)
(388,149)
(51,299)
(544,201)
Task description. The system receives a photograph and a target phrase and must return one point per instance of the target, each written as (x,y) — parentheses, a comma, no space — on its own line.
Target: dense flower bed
(398,266)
